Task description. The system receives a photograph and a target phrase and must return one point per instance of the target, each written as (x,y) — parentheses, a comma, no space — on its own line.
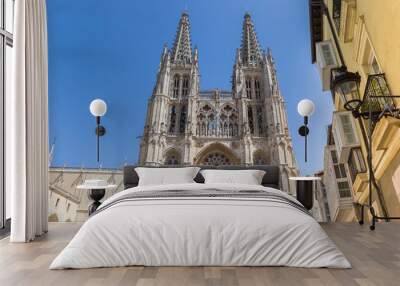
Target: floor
(375,257)
(5,231)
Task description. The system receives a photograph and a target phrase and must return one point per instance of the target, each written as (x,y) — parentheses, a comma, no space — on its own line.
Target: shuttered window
(348,131)
(344,190)
(356,163)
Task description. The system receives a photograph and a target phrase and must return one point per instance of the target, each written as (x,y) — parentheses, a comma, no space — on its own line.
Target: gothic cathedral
(247,125)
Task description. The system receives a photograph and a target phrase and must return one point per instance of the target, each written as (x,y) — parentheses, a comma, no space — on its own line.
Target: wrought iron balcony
(377,97)
(377,102)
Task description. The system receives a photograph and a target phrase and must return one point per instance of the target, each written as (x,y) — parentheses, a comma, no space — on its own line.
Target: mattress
(201,225)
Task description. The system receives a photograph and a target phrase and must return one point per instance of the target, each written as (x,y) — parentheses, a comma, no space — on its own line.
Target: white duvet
(200,231)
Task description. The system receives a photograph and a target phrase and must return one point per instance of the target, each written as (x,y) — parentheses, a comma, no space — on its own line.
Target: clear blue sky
(111,50)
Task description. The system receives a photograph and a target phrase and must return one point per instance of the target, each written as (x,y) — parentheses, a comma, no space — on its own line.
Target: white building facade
(320,210)
(336,180)
(246,125)
(67,203)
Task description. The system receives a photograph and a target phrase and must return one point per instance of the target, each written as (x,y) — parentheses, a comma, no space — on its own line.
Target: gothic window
(248,88)
(250,118)
(223,124)
(233,125)
(229,119)
(172,119)
(216,159)
(182,122)
(172,158)
(260,158)
(228,108)
(175,91)
(211,125)
(201,125)
(260,120)
(225,129)
(257,88)
(185,86)
(206,125)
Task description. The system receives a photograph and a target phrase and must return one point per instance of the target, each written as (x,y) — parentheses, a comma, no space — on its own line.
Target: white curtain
(27,124)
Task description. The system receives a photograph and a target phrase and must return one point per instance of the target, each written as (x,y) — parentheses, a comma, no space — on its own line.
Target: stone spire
(250,51)
(182,49)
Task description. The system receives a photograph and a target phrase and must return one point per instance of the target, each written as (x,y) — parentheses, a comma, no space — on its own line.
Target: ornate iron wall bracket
(376,104)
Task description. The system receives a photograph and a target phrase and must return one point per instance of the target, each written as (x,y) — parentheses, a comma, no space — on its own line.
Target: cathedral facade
(243,126)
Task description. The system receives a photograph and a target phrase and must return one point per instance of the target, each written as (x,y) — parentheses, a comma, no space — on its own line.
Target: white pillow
(166,176)
(248,177)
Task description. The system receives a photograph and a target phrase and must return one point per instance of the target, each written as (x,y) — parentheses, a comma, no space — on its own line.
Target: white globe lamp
(305,107)
(98,107)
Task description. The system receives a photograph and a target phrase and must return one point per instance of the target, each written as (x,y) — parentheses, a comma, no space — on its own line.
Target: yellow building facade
(369,38)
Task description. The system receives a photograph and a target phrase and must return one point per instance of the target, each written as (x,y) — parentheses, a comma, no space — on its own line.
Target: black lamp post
(305,108)
(98,108)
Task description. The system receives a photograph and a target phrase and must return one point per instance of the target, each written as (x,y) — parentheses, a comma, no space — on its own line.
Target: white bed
(184,230)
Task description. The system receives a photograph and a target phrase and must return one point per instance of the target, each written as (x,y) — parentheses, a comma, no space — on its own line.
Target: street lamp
(305,108)
(345,85)
(98,108)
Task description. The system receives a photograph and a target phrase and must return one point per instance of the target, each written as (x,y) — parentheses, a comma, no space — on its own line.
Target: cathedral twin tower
(247,125)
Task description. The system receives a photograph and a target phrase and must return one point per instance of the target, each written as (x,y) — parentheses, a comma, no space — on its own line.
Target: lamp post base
(304,193)
(374,216)
(96,195)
